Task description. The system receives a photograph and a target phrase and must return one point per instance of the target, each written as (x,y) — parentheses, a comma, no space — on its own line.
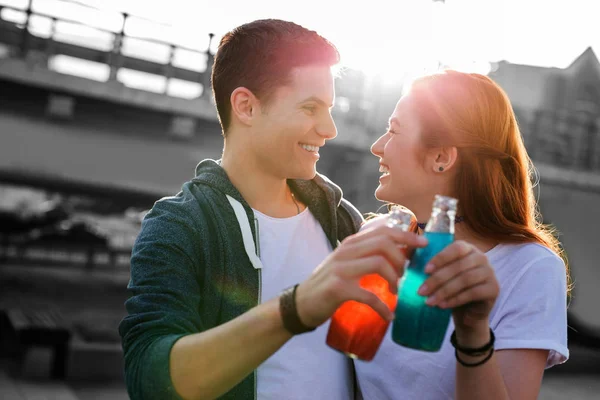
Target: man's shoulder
(190,204)
(349,217)
(353,213)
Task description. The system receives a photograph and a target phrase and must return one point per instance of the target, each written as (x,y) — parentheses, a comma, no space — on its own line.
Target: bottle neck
(441,221)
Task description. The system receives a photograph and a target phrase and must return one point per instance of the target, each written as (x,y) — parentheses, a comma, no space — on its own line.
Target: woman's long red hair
(494,178)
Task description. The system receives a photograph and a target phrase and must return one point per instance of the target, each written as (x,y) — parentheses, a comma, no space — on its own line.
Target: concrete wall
(576,215)
(93,156)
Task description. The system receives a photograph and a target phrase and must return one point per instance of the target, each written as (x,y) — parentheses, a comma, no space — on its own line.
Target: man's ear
(244,105)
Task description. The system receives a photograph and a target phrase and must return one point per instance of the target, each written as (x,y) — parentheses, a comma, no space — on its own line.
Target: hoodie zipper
(259,270)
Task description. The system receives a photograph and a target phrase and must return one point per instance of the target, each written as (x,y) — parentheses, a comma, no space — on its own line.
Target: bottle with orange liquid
(356,329)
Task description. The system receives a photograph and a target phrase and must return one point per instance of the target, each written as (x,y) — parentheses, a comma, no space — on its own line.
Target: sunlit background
(105,107)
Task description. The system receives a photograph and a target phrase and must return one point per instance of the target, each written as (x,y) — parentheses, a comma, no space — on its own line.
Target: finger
(370,299)
(372,246)
(458,284)
(410,239)
(481,292)
(453,252)
(369,265)
(444,274)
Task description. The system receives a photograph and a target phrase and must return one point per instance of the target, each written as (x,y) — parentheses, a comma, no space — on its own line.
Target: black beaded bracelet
(476,364)
(289,313)
(470,351)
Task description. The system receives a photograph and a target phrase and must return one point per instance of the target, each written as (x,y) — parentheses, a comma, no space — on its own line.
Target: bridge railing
(19,33)
(148,53)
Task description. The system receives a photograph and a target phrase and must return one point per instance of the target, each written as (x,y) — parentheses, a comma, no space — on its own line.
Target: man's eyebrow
(317,100)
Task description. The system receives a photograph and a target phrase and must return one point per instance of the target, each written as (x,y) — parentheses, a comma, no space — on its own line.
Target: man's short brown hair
(260,56)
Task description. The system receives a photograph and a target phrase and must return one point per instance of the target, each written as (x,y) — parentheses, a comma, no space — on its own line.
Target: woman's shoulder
(529,251)
(526,256)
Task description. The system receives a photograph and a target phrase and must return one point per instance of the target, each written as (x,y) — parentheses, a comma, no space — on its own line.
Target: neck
(263,190)
(421,205)
(463,232)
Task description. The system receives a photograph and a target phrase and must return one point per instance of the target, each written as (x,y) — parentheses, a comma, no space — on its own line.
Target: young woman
(455,134)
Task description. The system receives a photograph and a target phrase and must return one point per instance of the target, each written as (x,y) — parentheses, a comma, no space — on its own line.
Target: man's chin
(305,175)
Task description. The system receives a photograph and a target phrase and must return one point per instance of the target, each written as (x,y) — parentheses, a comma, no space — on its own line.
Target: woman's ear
(443,159)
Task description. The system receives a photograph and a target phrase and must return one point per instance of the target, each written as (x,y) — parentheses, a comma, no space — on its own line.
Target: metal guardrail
(19,36)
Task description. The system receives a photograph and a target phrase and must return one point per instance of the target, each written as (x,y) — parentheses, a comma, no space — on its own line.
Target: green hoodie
(192,269)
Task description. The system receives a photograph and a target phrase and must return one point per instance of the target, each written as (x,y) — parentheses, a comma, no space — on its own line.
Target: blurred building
(558,110)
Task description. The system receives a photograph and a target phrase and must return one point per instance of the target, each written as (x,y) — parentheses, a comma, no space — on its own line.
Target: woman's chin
(381,193)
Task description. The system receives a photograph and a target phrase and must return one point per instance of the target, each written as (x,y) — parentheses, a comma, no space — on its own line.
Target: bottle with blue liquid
(418,325)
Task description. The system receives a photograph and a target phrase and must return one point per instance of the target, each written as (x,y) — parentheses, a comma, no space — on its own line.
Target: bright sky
(390,37)
(381,34)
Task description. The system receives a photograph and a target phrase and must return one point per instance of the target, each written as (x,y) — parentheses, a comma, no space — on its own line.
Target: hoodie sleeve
(164,296)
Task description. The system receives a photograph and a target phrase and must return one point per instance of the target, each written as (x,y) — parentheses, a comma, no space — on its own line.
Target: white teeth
(384,169)
(310,148)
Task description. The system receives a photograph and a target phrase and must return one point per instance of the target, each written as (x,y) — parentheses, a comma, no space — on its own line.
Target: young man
(210,314)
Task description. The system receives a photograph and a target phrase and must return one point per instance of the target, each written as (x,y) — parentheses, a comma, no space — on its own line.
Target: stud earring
(440,169)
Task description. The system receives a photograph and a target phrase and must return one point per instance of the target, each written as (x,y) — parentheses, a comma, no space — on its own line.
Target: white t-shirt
(305,367)
(530,313)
